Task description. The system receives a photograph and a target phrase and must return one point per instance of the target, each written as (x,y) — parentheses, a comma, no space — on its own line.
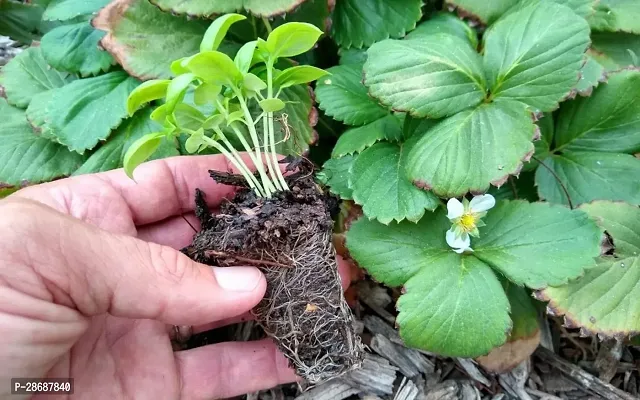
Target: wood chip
(332,390)
(376,376)
(581,377)
(608,358)
(472,371)
(407,390)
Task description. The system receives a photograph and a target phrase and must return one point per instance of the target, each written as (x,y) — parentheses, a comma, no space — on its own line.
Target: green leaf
(292,39)
(215,67)
(64,10)
(244,57)
(523,313)
(606,299)
(591,75)
(207,8)
(20,21)
(616,15)
(434,77)
(454,305)
(145,40)
(26,158)
(445,23)
(517,187)
(538,244)
(28,75)
(298,75)
(379,185)
(146,92)
(534,55)
(335,174)
(177,89)
(452,301)
(590,176)
(37,115)
(355,140)
(253,83)
(110,155)
(485,12)
(608,121)
(74,48)
(140,151)
(473,149)
(456,308)
(353,56)
(84,112)
(218,30)
(616,50)
(362,23)
(343,96)
(272,105)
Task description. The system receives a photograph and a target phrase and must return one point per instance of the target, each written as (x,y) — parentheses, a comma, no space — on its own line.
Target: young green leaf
(272,105)
(355,140)
(195,142)
(27,75)
(145,40)
(64,10)
(206,93)
(298,75)
(292,39)
(74,48)
(26,158)
(187,117)
(140,151)
(379,185)
(218,30)
(361,23)
(607,299)
(473,149)
(343,96)
(85,111)
(146,92)
(534,55)
(253,83)
(215,67)
(335,174)
(177,88)
(244,57)
(434,77)
(213,121)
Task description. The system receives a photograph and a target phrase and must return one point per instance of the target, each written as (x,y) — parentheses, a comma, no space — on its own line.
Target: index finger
(162,188)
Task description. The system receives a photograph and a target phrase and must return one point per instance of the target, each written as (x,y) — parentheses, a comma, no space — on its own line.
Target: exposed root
(290,238)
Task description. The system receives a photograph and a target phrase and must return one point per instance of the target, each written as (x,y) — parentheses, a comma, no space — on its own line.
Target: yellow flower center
(468,222)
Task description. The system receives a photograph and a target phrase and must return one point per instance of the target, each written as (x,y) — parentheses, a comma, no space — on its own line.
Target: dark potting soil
(289,238)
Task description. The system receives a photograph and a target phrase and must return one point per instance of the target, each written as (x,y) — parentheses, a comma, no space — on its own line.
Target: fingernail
(238,279)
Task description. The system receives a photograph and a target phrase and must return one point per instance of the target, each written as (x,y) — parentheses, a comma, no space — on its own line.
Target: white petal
(457,242)
(455,209)
(482,203)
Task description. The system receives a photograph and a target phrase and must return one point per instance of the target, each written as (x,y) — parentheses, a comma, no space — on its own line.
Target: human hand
(91,284)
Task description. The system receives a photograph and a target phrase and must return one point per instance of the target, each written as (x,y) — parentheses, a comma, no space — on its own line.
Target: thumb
(98,272)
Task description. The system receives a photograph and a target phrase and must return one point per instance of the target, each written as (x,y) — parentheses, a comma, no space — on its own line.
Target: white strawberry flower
(466,218)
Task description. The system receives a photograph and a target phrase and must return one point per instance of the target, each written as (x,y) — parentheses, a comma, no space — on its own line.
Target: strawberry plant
(492,148)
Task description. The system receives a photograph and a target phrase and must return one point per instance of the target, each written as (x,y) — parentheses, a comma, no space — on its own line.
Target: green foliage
(593,143)
(208,8)
(74,48)
(616,15)
(362,23)
(84,112)
(28,75)
(64,10)
(20,21)
(451,298)
(607,299)
(26,158)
